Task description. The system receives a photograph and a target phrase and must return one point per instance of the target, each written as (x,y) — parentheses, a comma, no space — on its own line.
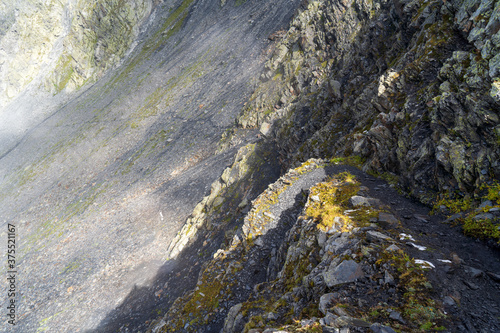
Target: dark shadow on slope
(258,259)
(147,303)
(144,304)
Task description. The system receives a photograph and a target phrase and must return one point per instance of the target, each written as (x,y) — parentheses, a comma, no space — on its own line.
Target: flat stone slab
(392,248)
(359,201)
(483,216)
(378,328)
(387,220)
(346,272)
(375,236)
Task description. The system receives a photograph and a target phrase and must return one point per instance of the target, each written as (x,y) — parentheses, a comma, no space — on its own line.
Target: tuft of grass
(352,160)
(482,229)
(493,192)
(333,198)
(478,228)
(454,204)
(418,306)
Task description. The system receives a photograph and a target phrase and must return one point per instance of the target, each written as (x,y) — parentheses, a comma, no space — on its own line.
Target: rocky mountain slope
(177,193)
(328,248)
(49,47)
(99,187)
(404,90)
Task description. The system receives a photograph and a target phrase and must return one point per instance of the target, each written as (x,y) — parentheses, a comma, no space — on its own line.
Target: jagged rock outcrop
(409,87)
(305,258)
(81,41)
(242,178)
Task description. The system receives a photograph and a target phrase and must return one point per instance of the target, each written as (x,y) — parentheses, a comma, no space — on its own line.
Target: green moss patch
(417,306)
(329,201)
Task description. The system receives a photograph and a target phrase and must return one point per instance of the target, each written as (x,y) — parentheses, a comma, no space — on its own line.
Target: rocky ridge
(407,91)
(410,87)
(328,248)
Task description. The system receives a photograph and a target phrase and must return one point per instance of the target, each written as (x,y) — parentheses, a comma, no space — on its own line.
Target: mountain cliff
(249,166)
(61,45)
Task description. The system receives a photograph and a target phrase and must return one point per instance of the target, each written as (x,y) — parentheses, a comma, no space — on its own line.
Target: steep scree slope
(98,189)
(49,47)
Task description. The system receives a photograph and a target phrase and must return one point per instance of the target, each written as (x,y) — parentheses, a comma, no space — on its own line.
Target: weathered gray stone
(392,248)
(321,238)
(340,311)
(265,128)
(395,315)
(346,321)
(378,328)
(375,236)
(483,216)
(324,301)
(454,217)
(329,319)
(336,245)
(357,201)
(485,203)
(495,66)
(387,220)
(449,301)
(229,323)
(335,86)
(348,271)
(388,279)
(473,272)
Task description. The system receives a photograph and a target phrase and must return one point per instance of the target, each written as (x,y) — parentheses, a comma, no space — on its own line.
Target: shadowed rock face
(409,87)
(100,186)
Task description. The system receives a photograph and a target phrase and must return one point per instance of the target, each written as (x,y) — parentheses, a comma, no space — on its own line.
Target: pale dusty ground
(98,189)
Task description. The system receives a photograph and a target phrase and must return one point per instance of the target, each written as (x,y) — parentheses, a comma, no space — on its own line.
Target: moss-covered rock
(410,88)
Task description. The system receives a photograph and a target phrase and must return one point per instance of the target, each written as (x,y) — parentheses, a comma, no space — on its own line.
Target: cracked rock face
(81,40)
(409,87)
